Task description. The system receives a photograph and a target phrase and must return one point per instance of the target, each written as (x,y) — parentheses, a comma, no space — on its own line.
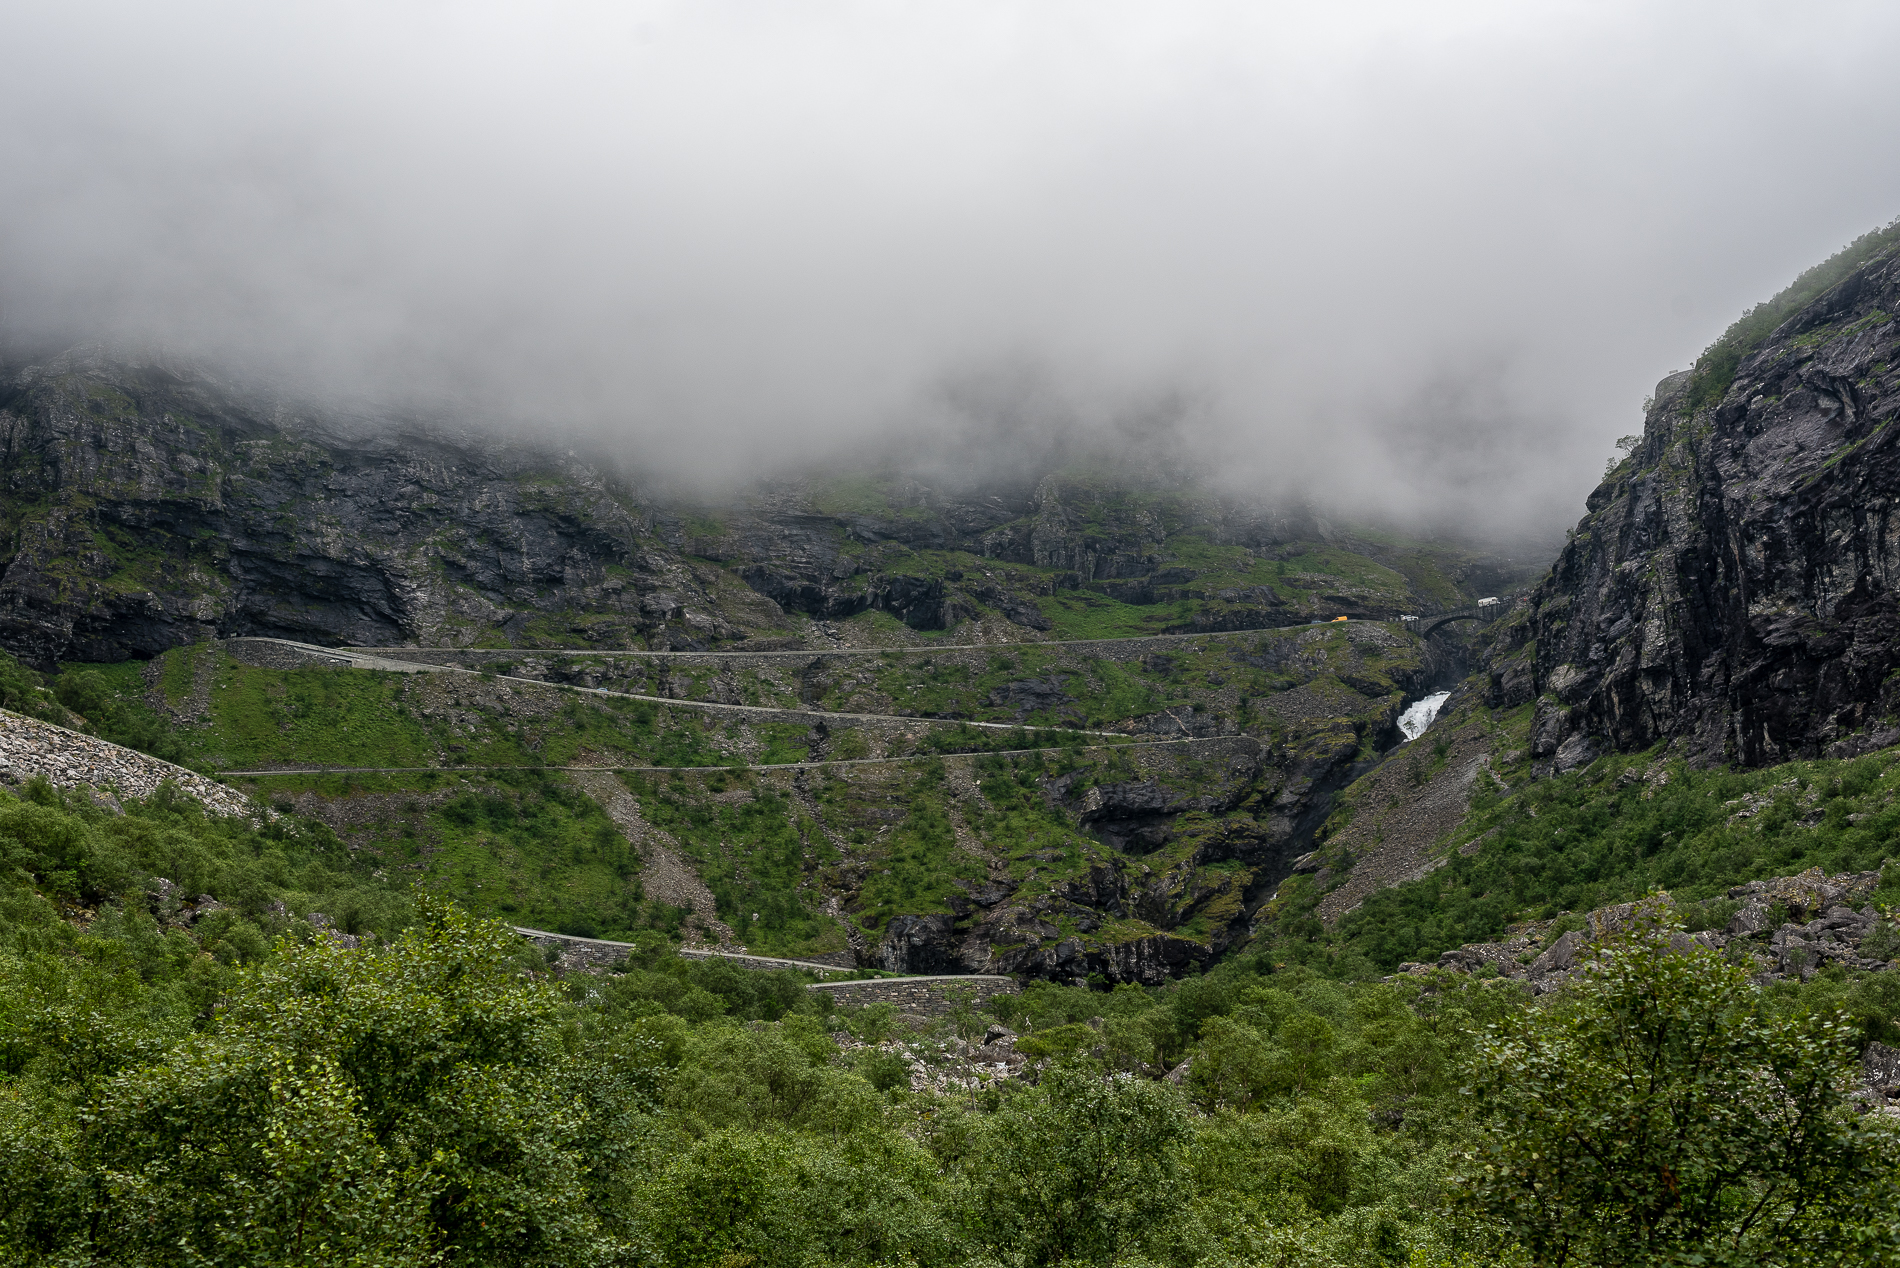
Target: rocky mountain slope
(1732,588)
(804,687)
(148,504)
(1786,926)
(1729,598)
(884,802)
(802,669)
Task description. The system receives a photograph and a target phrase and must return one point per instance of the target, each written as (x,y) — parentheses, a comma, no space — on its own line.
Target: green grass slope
(1624,826)
(1213,683)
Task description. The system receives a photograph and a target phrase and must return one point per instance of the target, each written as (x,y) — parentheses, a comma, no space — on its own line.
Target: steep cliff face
(147,508)
(831,552)
(149,505)
(1733,585)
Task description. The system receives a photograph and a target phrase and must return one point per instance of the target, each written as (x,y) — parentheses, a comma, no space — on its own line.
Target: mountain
(1076,726)
(806,667)
(1701,694)
(151,504)
(1732,589)
(1728,595)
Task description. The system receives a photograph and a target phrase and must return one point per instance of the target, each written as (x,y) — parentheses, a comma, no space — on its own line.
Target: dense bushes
(82,698)
(430,1096)
(108,716)
(169,1096)
(166,851)
(24,691)
(1663,1111)
(155,956)
(345,1107)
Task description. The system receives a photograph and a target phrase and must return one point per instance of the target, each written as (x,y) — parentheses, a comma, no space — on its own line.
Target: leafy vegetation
(1224,676)
(430,1097)
(1663,1110)
(24,691)
(104,702)
(1613,833)
(1715,369)
(198,1065)
(113,712)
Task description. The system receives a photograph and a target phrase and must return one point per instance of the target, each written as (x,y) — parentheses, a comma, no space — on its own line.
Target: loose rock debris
(68,759)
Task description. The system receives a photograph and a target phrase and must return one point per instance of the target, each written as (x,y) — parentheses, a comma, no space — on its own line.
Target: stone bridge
(1486,613)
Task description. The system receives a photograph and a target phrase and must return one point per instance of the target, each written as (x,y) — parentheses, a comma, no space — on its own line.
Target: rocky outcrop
(1234,813)
(788,542)
(1733,587)
(148,506)
(1788,927)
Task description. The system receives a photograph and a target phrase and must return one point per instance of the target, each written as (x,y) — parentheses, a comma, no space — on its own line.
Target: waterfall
(1415,719)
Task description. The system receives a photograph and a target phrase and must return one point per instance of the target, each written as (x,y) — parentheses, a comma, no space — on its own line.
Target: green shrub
(24,691)
(1660,1111)
(1715,369)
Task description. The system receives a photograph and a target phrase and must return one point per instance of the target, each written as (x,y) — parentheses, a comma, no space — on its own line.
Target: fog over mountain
(1419,260)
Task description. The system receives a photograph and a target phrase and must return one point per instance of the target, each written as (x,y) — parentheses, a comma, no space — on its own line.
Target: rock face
(1140,914)
(1733,585)
(147,507)
(786,543)
(151,504)
(1788,927)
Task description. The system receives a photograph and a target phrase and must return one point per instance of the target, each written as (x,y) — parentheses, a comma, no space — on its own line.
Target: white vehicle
(1489,603)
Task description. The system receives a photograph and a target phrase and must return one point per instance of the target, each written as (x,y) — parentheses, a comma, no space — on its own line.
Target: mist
(1419,261)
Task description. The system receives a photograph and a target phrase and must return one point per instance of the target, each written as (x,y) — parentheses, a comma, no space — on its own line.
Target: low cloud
(1419,261)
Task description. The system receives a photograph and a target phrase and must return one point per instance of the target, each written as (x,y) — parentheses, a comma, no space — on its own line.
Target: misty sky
(1414,258)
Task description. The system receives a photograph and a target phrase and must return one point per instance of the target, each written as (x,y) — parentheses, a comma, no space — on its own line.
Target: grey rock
(1729,586)
(1561,955)
(327,927)
(1880,1065)
(1575,752)
(1790,949)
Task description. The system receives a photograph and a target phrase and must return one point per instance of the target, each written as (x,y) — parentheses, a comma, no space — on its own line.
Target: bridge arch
(1427,625)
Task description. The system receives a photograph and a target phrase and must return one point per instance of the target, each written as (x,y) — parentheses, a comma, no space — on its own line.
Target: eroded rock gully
(1248,810)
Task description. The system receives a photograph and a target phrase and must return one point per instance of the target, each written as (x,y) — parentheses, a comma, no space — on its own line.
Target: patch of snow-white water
(1413,721)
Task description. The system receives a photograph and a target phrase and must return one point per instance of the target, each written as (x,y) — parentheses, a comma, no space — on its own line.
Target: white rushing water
(1415,719)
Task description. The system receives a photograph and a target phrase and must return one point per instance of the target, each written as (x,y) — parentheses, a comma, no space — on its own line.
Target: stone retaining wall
(599,953)
(931,997)
(577,953)
(68,759)
(928,996)
(843,961)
